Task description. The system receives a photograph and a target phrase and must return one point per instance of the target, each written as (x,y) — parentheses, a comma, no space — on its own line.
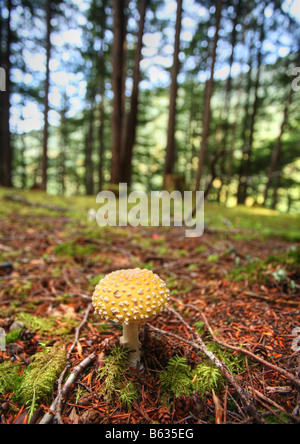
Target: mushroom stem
(130,339)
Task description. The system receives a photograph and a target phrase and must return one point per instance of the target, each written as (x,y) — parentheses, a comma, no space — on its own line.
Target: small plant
(280,275)
(115,367)
(176,379)
(213,258)
(12,336)
(128,394)
(206,378)
(72,249)
(179,379)
(37,381)
(46,325)
(9,376)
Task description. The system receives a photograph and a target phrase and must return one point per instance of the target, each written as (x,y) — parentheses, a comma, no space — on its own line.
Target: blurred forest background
(159,94)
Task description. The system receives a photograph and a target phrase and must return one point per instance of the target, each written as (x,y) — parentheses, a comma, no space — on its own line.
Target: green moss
(37,381)
(12,336)
(72,249)
(48,325)
(9,376)
(113,374)
(176,379)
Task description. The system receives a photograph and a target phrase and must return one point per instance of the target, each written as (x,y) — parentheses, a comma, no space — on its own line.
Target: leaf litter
(238,295)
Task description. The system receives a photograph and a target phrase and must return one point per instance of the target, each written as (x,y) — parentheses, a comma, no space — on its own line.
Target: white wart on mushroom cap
(133,295)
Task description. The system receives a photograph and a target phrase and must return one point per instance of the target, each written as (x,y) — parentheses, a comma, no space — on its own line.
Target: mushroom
(130,297)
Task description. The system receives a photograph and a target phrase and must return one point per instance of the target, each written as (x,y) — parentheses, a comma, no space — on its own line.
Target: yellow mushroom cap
(130,295)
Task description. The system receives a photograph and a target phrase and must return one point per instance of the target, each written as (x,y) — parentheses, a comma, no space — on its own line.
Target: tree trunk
(6,154)
(170,150)
(101,62)
(131,121)
(89,170)
(64,144)
(117,84)
(243,184)
(208,96)
(227,103)
(246,118)
(46,99)
(277,146)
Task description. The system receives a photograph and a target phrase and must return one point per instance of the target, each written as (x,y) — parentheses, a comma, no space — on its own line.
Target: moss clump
(176,379)
(180,379)
(113,375)
(9,376)
(72,249)
(47,325)
(37,381)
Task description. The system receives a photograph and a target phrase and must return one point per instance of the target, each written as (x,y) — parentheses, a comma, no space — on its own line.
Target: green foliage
(213,258)
(37,382)
(179,379)
(9,376)
(113,374)
(255,269)
(199,326)
(96,279)
(12,336)
(128,394)
(206,378)
(47,325)
(37,323)
(293,256)
(280,275)
(234,361)
(250,272)
(72,249)
(176,379)
(177,285)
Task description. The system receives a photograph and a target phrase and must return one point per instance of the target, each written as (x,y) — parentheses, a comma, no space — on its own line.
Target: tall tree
(117,84)
(5,136)
(46,97)
(132,117)
(277,147)
(102,73)
(89,148)
(208,96)
(221,148)
(170,149)
(246,161)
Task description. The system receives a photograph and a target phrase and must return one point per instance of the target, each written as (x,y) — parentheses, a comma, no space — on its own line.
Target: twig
(77,330)
(264,398)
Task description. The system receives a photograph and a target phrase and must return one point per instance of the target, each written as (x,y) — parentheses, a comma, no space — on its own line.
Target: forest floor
(235,289)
